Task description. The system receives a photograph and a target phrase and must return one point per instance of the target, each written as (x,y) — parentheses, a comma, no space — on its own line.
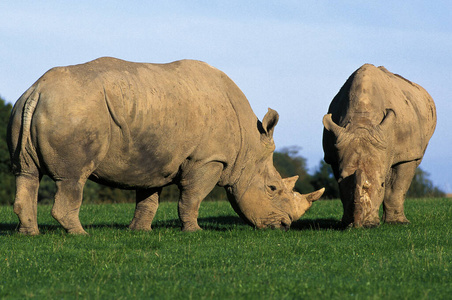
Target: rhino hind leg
(194,187)
(396,189)
(26,203)
(68,199)
(147,202)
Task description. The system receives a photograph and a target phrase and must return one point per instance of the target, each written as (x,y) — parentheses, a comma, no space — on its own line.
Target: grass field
(228,259)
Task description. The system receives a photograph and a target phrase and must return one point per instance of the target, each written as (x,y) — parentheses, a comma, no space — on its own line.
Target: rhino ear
(388,120)
(269,122)
(329,125)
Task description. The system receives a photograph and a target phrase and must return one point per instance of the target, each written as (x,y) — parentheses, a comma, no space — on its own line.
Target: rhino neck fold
(249,137)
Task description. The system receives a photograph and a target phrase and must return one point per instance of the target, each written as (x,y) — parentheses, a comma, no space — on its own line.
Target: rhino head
(361,162)
(261,197)
(273,205)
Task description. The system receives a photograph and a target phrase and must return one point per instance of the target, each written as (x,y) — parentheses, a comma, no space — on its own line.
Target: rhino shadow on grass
(8,228)
(11,228)
(219,223)
(225,223)
(317,224)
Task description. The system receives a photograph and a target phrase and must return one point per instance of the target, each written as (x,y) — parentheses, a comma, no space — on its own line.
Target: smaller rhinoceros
(144,126)
(376,133)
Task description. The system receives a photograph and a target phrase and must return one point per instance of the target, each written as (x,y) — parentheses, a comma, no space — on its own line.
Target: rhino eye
(272,188)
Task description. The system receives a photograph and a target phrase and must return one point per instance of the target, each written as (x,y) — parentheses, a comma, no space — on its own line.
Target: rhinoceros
(375,136)
(144,126)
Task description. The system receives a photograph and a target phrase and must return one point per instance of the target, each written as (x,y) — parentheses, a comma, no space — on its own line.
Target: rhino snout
(282,223)
(365,213)
(285,226)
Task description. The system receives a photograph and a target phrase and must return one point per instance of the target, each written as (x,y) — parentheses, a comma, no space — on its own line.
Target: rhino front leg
(146,207)
(194,187)
(26,203)
(396,189)
(68,199)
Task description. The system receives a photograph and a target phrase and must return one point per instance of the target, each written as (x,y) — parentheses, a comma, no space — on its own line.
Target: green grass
(229,259)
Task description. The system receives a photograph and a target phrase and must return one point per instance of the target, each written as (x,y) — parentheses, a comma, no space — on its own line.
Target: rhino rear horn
(290,182)
(331,126)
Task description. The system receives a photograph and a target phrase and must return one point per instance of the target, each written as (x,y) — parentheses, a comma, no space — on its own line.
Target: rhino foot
(29,230)
(395,218)
(77,231)
(191,228)
(371,225)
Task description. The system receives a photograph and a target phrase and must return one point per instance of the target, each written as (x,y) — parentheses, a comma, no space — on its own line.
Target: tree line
(287,161)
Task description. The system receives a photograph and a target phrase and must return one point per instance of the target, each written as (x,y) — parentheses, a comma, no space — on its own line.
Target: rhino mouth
(283,226)
(275,221)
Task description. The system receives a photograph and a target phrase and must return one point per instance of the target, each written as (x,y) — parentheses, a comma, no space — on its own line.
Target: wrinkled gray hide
(376,133)
(144,126)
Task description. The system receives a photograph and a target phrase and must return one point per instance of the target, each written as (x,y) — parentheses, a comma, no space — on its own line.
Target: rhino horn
(362,201)
(290,182)
(311,197)
(304,201)
(314,196)
(331,126)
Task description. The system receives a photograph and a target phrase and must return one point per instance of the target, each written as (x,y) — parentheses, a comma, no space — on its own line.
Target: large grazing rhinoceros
(144,126)
(376,132)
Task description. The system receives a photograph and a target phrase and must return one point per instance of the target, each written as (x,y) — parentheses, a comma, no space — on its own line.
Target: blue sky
(292,56)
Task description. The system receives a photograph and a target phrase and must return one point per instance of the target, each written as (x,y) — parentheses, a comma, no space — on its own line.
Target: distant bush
(7,181)
(422,187)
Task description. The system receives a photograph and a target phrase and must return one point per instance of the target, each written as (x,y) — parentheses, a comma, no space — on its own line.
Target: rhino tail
(26,156)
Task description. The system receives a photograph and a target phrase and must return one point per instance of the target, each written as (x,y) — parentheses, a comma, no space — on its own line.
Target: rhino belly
(138,170)
(148,160)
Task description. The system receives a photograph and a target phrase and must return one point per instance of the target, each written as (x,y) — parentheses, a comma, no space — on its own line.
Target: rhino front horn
(311,197)
(304,201)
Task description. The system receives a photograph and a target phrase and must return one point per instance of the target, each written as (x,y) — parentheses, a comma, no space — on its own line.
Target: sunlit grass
(229,259)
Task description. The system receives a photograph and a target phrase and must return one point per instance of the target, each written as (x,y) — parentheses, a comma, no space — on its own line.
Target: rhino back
(415,111)
(364,99)
(146,120)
